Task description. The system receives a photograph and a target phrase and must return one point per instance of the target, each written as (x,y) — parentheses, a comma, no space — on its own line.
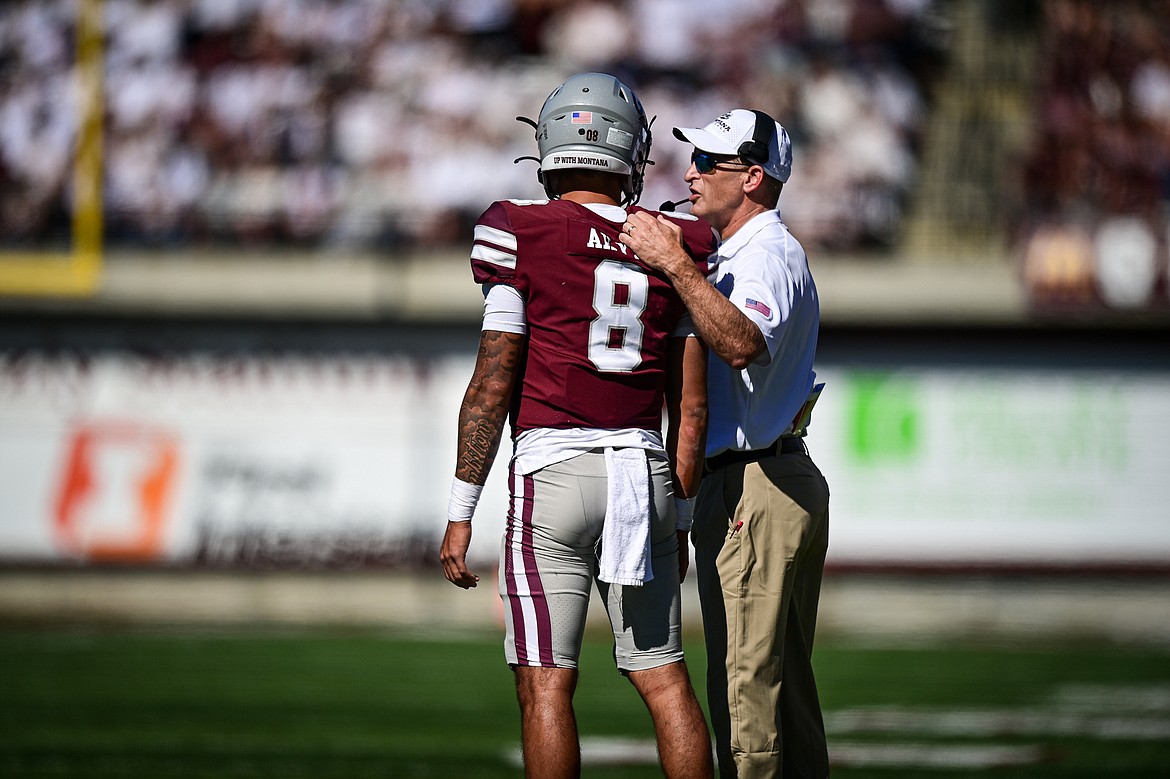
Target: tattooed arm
(481,425)
(485,404)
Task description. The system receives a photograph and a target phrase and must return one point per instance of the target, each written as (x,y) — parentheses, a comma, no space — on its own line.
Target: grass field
(154,704)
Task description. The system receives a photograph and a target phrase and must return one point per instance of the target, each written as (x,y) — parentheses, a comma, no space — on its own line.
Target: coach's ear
(754,179)
(761,188)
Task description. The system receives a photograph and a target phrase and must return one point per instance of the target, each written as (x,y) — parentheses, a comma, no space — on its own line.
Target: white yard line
(1088,710)
(622,751)
(1075,710)
(968,756)
(986,723)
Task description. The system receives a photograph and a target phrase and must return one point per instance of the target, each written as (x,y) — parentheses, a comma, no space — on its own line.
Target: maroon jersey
(599,320)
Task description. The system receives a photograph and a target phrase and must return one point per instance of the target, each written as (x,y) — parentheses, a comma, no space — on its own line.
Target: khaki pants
(761,533)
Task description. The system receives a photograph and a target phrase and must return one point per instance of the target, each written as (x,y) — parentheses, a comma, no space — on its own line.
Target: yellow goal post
(78,271)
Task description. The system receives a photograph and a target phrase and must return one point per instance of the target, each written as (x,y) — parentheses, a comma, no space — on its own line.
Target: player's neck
(585,196)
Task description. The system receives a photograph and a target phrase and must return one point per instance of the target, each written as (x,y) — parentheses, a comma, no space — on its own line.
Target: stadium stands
(375,125)
(986,133)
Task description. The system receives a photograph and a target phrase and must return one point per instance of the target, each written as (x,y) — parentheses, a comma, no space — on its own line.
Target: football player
(582,348)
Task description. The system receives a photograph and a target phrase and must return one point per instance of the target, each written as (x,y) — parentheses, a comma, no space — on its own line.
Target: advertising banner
(229,461)
(996,465)
(344,462)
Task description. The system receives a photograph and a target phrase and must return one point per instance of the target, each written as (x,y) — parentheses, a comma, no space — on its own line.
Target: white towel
(625,536)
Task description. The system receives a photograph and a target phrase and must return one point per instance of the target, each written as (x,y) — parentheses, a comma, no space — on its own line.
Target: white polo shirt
(763,270)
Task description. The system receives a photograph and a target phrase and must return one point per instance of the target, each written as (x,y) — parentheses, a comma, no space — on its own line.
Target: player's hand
(453,555)
(657,241)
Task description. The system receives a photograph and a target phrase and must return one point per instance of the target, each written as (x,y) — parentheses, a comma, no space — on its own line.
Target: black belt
(790,445)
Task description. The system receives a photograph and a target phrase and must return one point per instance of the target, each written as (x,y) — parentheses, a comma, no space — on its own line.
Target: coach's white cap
(746,134)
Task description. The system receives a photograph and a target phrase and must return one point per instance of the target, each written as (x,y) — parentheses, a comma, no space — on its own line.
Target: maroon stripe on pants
(542,641)
(510,573)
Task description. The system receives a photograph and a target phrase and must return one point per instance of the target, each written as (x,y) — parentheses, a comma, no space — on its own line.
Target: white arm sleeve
(503,309)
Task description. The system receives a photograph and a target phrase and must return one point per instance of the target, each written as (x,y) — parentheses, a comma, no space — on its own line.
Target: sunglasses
(705,162)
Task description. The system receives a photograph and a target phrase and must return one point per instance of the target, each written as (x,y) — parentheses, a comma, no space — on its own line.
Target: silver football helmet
(595,122)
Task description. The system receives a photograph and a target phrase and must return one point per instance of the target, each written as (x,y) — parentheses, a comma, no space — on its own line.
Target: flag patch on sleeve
(756,305)
(582,117)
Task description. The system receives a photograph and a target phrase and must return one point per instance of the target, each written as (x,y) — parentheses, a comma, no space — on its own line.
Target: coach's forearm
(726,330)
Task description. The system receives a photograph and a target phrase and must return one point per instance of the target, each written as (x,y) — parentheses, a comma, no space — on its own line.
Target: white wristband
(464,496)
(684,508)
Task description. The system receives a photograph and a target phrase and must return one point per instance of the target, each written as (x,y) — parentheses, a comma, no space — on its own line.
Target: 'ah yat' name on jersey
(601,241)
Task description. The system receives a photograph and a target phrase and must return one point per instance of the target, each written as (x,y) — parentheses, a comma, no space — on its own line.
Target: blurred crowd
(391,124)
(1094,203)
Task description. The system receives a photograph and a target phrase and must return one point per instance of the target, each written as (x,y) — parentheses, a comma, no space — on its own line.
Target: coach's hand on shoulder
(657,242)
(453,555)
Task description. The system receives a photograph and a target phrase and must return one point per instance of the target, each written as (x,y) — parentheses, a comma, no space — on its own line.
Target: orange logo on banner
(114,491)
